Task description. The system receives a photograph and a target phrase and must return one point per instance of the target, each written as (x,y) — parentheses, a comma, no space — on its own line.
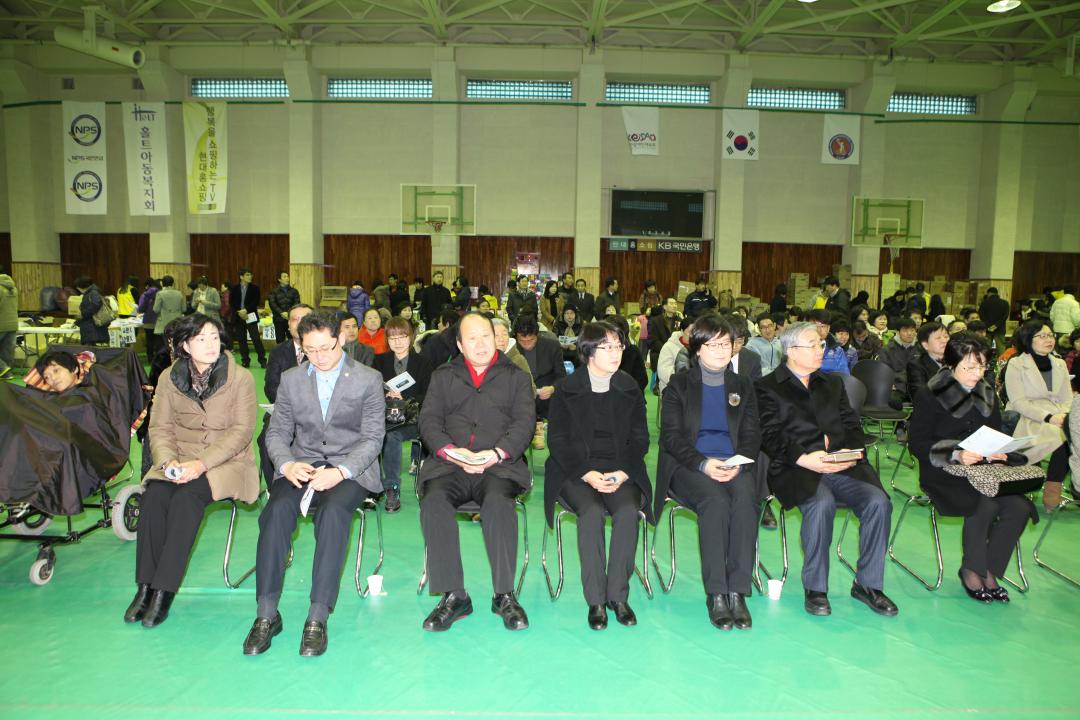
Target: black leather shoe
(597,617)
(313,641)
(138,605)
(999,593)
(513,615)
(449,610)
(980,594)
(262,632)
(393,500)
(876,600)
(262,363)
(157,608)
(740,614)
(817,603)
(719,612)
(623,613)
(768,519)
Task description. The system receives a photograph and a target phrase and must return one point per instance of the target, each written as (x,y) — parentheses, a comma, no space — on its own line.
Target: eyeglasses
(976,368)
(392,338)
(310,351)
(611,348)
(813,346)
(719,346)
(1043,336)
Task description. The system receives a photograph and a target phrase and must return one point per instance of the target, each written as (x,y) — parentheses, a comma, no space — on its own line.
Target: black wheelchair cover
(56,449)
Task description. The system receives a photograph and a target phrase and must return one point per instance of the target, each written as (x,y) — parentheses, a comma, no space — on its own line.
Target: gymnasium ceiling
(1039,31)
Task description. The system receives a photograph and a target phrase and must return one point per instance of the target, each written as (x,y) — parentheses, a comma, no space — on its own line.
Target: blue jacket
(358,303)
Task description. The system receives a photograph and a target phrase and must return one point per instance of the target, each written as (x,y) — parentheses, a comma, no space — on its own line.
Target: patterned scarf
(200,381)
(957,400)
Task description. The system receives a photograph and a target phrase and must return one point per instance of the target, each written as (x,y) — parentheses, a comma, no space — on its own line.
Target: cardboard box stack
(843,274)
(685,288)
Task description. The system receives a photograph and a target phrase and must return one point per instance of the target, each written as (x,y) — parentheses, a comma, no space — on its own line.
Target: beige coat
(218,432)
(1028,396)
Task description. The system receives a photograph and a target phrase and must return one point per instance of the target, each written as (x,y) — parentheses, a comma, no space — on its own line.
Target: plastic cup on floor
(375,584)
(775,587)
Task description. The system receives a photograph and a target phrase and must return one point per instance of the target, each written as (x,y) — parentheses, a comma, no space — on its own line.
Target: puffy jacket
(357,302)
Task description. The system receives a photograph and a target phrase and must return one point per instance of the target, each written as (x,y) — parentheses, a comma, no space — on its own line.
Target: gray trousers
(7,349)
(873,508)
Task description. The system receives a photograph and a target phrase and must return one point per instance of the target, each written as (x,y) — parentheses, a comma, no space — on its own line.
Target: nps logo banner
(85,180)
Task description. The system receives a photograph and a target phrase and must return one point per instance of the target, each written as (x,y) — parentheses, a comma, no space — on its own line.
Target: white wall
(685,162)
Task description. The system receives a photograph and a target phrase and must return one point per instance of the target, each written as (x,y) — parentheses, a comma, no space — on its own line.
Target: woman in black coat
(709,414)
(956,402)
(598,436)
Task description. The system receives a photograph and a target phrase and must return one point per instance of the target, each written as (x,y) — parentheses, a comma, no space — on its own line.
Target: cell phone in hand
(611,478)
(174,472)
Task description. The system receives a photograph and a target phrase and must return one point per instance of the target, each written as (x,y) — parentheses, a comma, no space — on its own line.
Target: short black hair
(919,287)
(301,305)
(526,324)
(831,280)
(1069,289)
(56,357)
(976,326)
(341,316)
(1074,336)
(1023,337)
(992,291)
(686,322)
(282,272)
(707,327)
(820,315)
(321,320)
(167,281)
(875,314)
(649,284)
(449,317)
(82,282)
(244,271)
(840,325)
(963,344)
(623,324)
(202,280)
(779,318)
(967,310)
(580,280)
(859,327)
(594,334)
(764,316)
(189,326)
(609,282)
(153,283)
(951,325)
(927,329)
(905,323)
(739,326)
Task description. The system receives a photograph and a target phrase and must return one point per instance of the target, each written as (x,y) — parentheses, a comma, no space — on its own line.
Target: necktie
(299,356)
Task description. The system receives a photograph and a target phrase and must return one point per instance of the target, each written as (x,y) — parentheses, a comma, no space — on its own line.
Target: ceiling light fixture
(1002,6)
(808,1)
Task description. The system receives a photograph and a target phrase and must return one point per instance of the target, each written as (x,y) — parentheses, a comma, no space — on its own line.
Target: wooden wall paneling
(870,283)
(487,259)
(924,263)
(591,276)
(731,280)
(766,265)
(5,252)
(30,277)
(371,257)
(307,278)
(106,258)
(632,269)
(1032,271)
(220,257)
(180,272)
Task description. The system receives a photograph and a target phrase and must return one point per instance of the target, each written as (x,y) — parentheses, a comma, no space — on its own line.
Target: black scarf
(199,386)
(1041,361)
(958,401)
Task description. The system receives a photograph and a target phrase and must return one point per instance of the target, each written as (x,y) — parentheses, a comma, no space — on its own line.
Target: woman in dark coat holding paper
(598,436)
(956,402)
(709,414)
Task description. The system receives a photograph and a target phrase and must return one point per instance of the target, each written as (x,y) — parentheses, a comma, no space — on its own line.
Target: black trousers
(242,331)
(1058,467)
(281,329)
(169,519)
(438,520)
(602,579)
(727,527)
(991,534)
(333,510)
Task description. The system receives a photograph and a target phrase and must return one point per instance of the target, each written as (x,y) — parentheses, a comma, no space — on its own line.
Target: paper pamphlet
(736,460)
(400,383)
(988,441)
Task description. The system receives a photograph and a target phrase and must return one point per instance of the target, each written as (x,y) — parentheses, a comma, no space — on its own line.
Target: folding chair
(1046,531)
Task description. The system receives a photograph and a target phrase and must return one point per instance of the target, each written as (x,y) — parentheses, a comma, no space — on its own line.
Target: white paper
(305,502)
(268,407)
(736,460)
(470,458)
(252,318)
(401,382)
(988,441)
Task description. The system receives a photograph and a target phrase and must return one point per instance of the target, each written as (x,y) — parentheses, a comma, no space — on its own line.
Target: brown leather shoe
(538,438)
(1051,495)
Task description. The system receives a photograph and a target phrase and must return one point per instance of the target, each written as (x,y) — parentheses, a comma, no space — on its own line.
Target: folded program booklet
(987,441)
(470,458)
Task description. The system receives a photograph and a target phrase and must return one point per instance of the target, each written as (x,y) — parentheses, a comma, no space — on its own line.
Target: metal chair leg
(423,575)
(896,467)
(361,589)
(524,544)
(643,572)
(924,501)
(760,566)
(1046,531)
(674,508)
(228,552)
(554,592)
(840,543)
(1023,586)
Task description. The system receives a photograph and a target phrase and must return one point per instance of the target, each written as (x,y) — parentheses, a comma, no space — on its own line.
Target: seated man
(349,332)
(478,405)
(325,437)
(545,358)
(805,415)
(284,356)
(899,352)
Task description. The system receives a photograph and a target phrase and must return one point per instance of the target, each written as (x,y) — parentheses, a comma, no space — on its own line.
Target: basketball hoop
(436,225)
(894,252)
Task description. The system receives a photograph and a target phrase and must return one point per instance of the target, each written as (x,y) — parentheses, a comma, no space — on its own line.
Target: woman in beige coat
(200,437)
(1037,384)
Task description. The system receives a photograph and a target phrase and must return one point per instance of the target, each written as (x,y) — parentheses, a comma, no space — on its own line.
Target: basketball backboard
(887,222)
(438,209)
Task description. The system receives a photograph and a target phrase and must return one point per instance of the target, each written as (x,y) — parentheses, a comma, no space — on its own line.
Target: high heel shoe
(980,594)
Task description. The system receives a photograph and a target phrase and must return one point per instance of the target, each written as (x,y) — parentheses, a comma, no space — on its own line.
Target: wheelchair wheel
(124,515)
(41,571)
(33,523)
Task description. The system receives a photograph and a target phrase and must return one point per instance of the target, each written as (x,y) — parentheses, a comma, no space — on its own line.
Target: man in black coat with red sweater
(804,416)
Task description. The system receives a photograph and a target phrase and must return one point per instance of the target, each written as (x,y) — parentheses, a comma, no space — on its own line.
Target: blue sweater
(714,438)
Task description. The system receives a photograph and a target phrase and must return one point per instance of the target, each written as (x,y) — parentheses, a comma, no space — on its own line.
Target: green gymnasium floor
(68,654)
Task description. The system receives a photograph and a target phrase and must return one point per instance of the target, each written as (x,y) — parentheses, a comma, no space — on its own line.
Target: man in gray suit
(324,440)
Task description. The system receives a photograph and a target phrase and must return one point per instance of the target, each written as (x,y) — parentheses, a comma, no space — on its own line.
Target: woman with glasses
(1037,385)
(956,402)
(598,437)
(200,438)
(709,415)
(400,359)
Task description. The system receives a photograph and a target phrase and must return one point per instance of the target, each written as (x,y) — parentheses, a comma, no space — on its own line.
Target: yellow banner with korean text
(206,143)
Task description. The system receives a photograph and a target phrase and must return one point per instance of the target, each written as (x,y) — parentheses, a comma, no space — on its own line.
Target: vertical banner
(741,135)
(642,129)
(840,141)
(146,150)
(84,158)
(205,141)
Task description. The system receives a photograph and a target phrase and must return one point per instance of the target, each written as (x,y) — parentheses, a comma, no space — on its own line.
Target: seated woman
(1037,385)
(200,437)
(598,437)
(568,327)
(372,333)
(956,402)
(400,359)
(709,414)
